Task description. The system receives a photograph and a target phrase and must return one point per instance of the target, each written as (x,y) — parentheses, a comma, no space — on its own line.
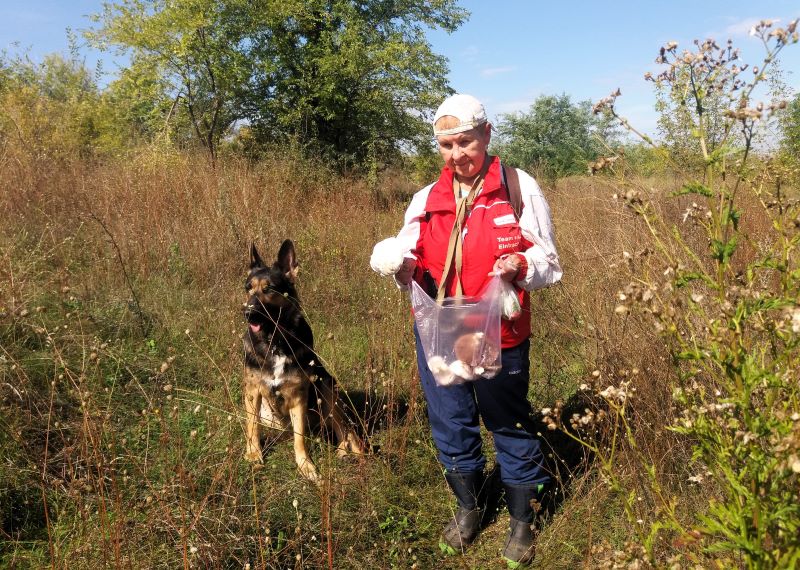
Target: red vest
(491,230)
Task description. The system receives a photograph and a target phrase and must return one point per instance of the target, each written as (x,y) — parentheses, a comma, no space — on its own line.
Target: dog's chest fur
(275,369)
(279,362)
(282,372)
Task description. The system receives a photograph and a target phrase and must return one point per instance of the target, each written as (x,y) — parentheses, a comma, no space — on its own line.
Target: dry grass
(120,288)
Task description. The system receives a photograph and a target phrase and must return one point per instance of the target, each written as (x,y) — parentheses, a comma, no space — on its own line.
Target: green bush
(729,308)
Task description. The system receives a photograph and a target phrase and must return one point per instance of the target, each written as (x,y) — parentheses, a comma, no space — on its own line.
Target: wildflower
(796,320)
(613,393)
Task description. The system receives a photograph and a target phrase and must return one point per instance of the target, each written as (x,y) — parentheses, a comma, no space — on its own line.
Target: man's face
(464,153)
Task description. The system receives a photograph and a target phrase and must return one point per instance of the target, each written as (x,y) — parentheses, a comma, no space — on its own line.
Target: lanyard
(455,249)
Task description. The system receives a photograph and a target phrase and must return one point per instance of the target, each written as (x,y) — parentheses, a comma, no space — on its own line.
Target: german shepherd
(283,378)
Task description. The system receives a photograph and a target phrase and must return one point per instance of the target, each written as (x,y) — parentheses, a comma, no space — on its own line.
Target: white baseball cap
(466,108)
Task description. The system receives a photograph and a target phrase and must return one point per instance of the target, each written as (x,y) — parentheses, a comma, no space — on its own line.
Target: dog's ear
(287,260)
(255,259)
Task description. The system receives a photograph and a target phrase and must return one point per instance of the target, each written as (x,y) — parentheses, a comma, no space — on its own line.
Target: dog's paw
(254,456)
(308,471)
(352,446)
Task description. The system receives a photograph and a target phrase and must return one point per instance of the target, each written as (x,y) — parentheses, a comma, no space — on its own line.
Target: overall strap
(455,247)
(514,191)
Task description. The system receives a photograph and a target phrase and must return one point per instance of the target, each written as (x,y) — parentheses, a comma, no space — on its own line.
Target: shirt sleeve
(413,222)
(543,266)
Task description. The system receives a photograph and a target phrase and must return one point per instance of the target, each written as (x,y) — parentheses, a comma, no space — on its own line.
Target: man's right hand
(406,272)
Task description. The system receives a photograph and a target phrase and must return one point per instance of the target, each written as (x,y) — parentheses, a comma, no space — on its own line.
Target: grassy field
(121,429)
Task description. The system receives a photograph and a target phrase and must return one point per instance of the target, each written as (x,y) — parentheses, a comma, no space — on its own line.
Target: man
(476,193)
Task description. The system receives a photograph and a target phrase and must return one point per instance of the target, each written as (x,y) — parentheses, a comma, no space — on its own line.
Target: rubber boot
(520,549)
(466,523)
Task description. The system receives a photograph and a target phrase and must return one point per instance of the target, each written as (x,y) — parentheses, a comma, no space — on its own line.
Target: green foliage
(48,108)
(695,188)
(731,317)
(555,137)
(790,132)
(188,53)
(348,76)
(426,165)
(131,112)
(683,122)
(645,159)
(346,79)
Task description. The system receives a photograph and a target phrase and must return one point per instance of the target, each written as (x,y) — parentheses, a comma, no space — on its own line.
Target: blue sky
(511,51)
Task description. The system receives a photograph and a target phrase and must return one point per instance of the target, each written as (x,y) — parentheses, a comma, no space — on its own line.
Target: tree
(132,110)
(353,78)
(680,122)
(790,129)
(350,78)
(556,136)
(195,49)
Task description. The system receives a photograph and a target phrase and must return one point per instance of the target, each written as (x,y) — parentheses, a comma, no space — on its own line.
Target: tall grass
(122,430)
(121,445)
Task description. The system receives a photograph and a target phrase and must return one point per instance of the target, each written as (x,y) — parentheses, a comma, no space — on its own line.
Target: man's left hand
(507,268)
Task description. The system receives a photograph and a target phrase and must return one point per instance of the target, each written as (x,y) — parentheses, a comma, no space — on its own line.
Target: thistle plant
(728,306)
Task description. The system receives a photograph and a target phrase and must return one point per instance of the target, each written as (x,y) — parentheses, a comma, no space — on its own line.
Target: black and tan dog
(283,379)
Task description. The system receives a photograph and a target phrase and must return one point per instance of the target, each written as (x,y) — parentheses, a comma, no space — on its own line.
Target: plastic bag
(511,309)
(461,337)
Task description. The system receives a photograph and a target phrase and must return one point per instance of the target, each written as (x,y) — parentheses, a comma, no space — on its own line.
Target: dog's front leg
(298,414)
(252,408)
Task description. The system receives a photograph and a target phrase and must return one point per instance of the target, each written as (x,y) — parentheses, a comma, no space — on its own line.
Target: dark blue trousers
(502,403)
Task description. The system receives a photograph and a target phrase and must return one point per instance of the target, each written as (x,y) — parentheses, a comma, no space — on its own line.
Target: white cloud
(742,28)
(492,71)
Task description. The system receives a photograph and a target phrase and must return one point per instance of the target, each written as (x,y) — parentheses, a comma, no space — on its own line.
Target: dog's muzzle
(250,309)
